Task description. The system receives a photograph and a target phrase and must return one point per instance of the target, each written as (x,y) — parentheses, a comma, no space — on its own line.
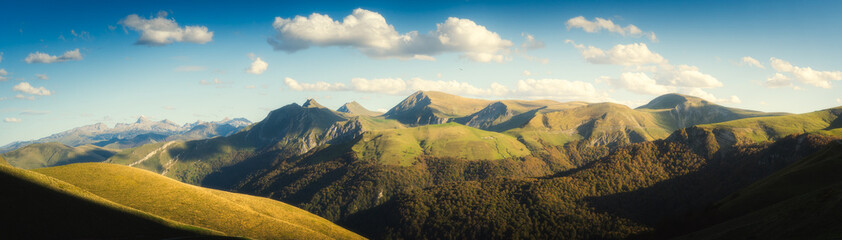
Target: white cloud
(530,42)
(453,87)
(24,87)
(686,76)
(12,120)
(3,74)
(42,76)
(806,75)
(318,86)
(752,62)
(190,68)
(598,24)
(369,32)
(215,81)
(160,30)
(778,80)
(698,92)
(839,100)
(558,89)
(379,85)
(638,57)
(526,73)
(39,57)
(625,55)
(257,67)
(637,82)
(24,97)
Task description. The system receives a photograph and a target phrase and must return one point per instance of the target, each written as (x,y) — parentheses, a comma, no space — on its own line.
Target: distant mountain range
(143,131)
(440,166)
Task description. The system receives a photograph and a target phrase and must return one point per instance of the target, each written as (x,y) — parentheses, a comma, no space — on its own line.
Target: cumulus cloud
(637,82)
(39,57)
(625,55)
(25,87)
(369,32)
(599,24)
(750,61)
(161,30)
(3,74)
(637,57)
(318,86)
(528,88)
(42,76)
(710,97)
(379,85)
(258,66)
(11,120)
(805,75)
(686,76)
(778,80)
(453,87)
(557,89)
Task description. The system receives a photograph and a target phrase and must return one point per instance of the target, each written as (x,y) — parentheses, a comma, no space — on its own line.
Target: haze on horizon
(68,64)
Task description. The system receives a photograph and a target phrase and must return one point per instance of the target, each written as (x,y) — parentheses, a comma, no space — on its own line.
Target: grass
(230,213)
(451,140)
(42,207)
(600,122)
(54,154)
(762,129)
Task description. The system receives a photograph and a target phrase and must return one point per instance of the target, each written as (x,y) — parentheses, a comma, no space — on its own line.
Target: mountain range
(143,131)
(440,166)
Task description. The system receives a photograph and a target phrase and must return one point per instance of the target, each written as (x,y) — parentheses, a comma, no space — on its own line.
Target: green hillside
(774,127)
(43,207)
(55,154)
(600,124)
(452,140)
(800,201)
(230,213)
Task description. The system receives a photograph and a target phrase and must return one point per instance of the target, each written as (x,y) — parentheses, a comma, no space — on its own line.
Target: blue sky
(207,64)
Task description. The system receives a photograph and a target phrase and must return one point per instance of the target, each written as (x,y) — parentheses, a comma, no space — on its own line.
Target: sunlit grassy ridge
(45,207)
(451,140)
(774,127)
(230,213)
(600,123)
(53,154)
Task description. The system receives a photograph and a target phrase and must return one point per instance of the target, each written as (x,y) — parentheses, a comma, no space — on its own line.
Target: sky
(65,64)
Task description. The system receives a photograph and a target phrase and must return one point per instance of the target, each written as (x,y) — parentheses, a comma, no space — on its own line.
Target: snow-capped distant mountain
(142,131)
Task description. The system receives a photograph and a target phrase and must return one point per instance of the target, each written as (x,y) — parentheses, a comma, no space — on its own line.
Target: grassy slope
(44,207)
(233,214)
(451,140)
(769,128)
(54,154)
(800,201)
(598,122)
